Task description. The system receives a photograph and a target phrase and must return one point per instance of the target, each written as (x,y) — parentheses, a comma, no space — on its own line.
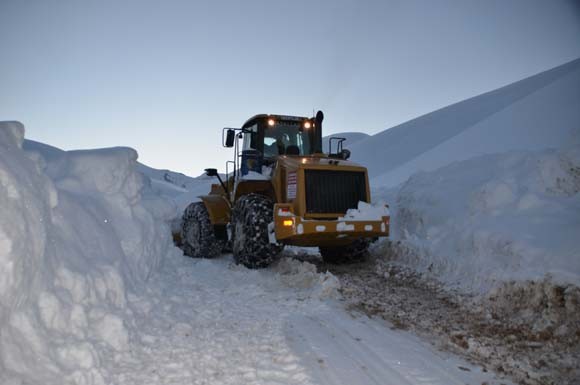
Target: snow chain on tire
(250,243)
(197,233)
(354,252)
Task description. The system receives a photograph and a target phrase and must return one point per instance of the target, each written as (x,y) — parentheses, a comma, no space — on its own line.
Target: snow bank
(23,214)
(79,232)
(492,219)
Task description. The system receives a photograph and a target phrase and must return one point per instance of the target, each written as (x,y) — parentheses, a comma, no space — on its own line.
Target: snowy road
(212,322)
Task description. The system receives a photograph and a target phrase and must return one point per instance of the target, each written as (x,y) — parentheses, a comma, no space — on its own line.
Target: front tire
(355,252)
(251,245)
(197,233)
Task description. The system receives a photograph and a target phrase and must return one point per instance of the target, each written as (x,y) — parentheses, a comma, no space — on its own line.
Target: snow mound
(303,275)
(79,231)
(493,219)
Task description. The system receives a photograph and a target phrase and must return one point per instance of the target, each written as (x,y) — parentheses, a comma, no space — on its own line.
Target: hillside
(351,139)
(535,113)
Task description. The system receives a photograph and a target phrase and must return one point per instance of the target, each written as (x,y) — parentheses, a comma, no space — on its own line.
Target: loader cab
(270,136)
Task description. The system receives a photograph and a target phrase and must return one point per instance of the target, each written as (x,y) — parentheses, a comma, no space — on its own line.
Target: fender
(218,208)
(263,187)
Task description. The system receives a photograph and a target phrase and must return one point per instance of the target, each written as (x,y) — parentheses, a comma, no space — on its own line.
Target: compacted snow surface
(213,322)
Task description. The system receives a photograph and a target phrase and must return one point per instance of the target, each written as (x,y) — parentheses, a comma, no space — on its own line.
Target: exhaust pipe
(318,141)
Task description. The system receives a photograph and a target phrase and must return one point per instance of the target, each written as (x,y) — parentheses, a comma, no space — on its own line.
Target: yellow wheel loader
(282,190)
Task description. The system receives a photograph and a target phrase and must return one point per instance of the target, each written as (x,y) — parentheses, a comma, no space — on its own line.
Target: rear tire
(251,245)
(197,233)
(355,252)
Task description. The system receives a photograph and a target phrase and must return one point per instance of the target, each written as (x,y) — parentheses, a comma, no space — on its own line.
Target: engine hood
(317,162)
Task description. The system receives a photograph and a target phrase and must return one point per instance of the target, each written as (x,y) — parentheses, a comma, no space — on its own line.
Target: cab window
(286,138)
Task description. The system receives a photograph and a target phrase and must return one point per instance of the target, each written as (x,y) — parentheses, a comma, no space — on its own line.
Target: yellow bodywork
(305,229)
(297,164)
(218,208)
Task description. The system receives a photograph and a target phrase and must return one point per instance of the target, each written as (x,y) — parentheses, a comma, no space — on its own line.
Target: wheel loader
(283,190)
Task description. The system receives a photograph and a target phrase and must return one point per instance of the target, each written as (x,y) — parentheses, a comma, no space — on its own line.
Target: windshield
(286,139)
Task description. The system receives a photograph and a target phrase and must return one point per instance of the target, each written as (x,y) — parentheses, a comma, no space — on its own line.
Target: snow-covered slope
(535,113)
(351,139)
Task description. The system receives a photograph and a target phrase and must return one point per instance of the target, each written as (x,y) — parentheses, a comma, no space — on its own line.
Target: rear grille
(333,191)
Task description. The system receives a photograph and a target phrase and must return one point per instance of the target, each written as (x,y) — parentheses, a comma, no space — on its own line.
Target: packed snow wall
(485,192)
(493,219)
(79,232)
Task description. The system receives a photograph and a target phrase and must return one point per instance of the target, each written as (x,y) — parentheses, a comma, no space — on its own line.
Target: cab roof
(255,118)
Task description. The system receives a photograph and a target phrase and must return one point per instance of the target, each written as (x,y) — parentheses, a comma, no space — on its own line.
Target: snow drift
(79,232)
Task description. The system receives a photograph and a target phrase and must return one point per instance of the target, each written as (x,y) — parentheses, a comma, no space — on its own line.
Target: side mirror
(230,138)
(211,171)
(345,154)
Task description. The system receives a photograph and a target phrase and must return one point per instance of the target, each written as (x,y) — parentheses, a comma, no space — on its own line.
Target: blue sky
(165,76)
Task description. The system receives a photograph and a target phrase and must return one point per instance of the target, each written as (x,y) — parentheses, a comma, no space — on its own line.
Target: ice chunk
(366,212)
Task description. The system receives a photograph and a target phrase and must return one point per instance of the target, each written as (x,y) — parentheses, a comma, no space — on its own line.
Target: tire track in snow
(363,351)
(212,322)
